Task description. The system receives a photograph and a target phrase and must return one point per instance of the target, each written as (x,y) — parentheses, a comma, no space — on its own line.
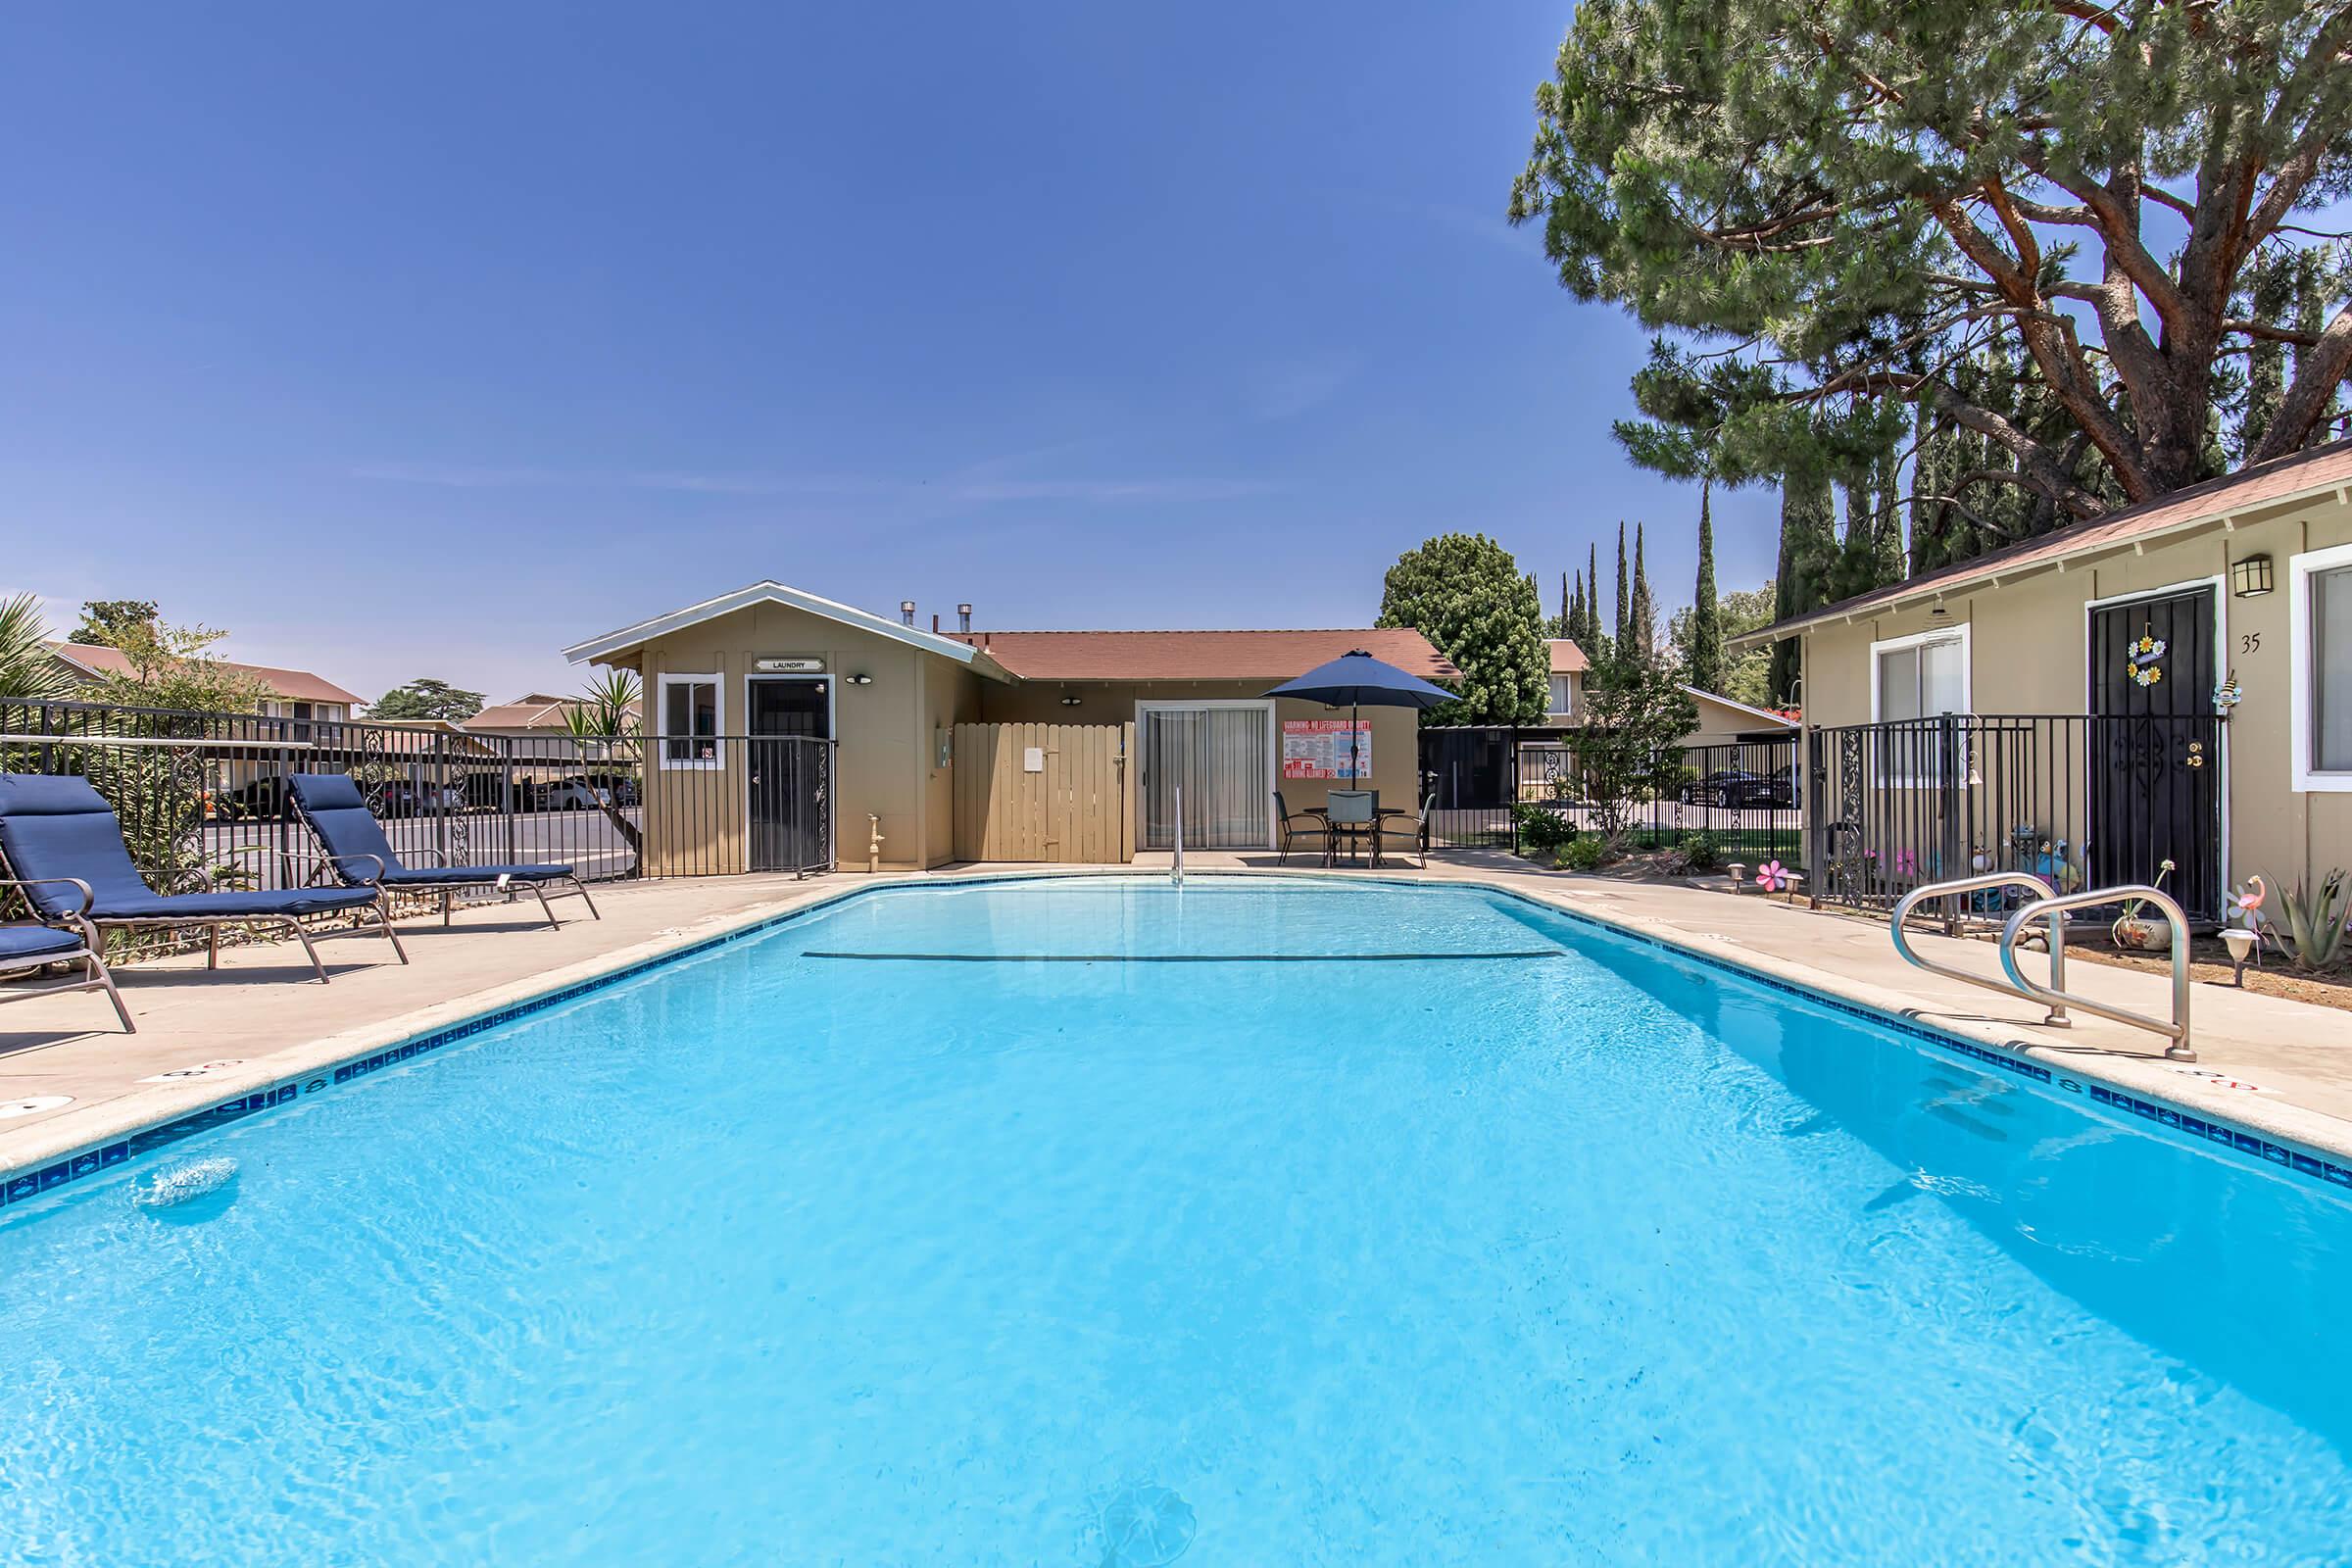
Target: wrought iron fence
(203,792)
(2077,800)
(1492,786)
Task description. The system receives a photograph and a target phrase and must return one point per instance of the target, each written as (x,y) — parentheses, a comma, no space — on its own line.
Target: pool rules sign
(1317,748)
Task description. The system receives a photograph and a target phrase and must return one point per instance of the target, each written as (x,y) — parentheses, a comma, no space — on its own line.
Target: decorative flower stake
(1772,876)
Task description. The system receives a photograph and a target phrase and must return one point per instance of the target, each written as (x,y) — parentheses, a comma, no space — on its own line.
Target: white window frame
(1957,632)
(719,722)
(2301,688)
(1882,754)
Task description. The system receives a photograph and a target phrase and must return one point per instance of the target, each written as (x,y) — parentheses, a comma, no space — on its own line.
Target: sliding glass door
(1221,756)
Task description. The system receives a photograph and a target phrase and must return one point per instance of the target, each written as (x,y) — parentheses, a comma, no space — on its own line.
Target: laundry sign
(1319,748)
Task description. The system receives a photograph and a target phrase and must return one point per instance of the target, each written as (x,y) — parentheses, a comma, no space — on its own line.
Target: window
(2320,671)
(690,721)
(1563,695)
(1919,677)
(302,715)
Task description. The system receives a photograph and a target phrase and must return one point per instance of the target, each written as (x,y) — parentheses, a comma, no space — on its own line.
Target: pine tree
(1704,667)
(1644,610)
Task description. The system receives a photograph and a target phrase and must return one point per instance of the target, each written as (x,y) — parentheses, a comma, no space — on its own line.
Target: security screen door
(1222,757)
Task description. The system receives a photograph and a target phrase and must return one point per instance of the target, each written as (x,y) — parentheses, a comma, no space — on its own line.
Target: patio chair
(57,831)
(1353,815)
(1413,827)
(37,946)
(1295,825)
(363,857)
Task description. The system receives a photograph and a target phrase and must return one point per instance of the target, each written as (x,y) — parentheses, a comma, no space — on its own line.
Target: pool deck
(2268,1065)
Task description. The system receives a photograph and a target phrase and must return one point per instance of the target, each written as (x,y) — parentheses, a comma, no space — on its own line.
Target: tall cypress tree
(1808,555)
(1644,611)
(1704,662)
(1621,640)
(1578,631)
(1595,644)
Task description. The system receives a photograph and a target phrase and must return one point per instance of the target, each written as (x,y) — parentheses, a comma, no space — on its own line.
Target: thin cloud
(968,488)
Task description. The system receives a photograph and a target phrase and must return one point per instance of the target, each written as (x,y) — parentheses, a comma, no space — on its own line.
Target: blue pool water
(1583,1254)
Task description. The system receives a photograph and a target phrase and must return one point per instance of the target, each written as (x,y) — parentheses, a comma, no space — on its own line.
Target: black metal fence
(2077,800)
(1493,786)
(202,794)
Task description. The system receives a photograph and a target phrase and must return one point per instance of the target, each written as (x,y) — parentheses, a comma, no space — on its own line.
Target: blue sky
(428,340)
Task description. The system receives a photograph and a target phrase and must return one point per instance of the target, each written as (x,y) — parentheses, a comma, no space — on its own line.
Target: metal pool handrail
(1176,862)
(2055,998)
(2054,907)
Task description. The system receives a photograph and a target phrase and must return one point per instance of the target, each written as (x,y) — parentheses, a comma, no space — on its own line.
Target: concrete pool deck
(2266,1064)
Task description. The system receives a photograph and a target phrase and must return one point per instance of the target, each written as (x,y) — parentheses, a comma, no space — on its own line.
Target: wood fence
(1062,793)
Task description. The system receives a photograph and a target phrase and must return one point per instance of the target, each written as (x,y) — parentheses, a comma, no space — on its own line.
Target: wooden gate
(1060,793)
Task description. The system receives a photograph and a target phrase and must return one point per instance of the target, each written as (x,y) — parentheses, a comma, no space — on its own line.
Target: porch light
(1070,701)
(2250,576)
(858,680)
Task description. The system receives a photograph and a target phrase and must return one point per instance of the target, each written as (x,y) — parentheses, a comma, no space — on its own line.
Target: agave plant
(2312,925)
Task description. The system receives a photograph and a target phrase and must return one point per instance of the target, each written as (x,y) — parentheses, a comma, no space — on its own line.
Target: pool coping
(2291,1138)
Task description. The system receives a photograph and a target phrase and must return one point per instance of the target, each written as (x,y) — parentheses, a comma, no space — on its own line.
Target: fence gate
(1056,793)
(791,807)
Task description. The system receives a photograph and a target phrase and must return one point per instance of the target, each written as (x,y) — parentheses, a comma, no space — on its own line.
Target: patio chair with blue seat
(56,830)
(363,857)
(26,948)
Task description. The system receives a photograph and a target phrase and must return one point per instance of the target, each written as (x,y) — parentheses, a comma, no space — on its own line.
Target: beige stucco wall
(2029,654)
(1396,731)
(884,764)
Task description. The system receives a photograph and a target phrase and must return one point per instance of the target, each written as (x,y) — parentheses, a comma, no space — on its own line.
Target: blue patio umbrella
(1360,680)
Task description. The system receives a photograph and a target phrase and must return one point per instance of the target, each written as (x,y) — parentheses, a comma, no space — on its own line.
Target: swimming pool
(1355,1224)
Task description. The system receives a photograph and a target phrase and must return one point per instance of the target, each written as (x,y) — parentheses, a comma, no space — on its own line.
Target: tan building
(770,660)
(1566,704)
(536,716)
(294,693)
(2173,680)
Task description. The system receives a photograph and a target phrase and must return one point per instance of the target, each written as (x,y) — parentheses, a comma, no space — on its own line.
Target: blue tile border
(2195,1127)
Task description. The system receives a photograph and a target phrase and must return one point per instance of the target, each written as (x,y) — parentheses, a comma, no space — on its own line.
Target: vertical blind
(1223,759)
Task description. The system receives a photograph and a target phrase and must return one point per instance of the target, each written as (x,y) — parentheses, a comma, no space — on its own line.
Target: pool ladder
(2052,907)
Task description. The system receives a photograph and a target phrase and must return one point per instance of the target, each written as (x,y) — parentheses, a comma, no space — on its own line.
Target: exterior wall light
(1070,701)
(2250,576)
(858,680)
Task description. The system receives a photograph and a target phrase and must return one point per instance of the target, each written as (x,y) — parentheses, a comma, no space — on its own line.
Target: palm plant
(604,722)
(27,672)
(2312,925)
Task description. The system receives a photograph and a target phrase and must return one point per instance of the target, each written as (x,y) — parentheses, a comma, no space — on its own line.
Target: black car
(1735,787)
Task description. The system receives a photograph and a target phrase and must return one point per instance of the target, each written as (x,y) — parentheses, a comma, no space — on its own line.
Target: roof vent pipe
(935,624)
(963,618)
(907,611)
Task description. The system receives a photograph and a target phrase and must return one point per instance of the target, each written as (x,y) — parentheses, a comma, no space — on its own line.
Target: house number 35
(2250,643)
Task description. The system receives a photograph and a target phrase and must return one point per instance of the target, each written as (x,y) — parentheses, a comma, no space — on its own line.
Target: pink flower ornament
(1771,876)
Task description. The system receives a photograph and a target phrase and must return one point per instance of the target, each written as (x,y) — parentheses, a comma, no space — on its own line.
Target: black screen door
(2155,748)
(791,726)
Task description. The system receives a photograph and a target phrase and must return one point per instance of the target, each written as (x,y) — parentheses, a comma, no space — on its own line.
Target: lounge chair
(56,831)
(37,946)
(363,857)
(1297,825)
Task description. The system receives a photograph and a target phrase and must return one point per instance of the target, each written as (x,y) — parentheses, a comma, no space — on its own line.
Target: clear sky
(429,339)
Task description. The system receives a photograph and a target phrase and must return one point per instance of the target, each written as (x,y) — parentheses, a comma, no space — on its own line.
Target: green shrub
(1700,852)
(1542,829)
(1580,854)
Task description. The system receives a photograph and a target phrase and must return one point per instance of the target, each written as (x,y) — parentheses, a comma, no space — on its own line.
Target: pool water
(1543,1248)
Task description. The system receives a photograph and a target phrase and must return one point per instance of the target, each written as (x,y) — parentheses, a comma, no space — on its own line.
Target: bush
(1580,854)
(1542,829)
(1700,852)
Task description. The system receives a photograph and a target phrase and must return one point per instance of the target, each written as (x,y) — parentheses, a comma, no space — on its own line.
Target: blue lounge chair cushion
(60,828)
(331,802)
(30,942)
(466,875)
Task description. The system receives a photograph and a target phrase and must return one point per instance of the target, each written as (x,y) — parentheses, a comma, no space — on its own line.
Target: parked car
(401,798)
(264,799)
(1730,786)
(575,795)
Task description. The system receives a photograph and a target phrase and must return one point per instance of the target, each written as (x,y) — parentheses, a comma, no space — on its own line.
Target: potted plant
(2136,935)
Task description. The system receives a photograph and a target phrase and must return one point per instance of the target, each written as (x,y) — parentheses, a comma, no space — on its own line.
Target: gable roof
(776,592)
(1566,658)
(1772,717)
(537,710)
(2295,477)
(1268,655)
(287,685)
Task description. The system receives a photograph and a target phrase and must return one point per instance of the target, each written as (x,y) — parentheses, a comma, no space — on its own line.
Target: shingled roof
(1237,656)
